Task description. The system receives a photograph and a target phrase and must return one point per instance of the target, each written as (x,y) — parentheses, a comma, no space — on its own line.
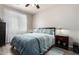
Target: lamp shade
(63,32)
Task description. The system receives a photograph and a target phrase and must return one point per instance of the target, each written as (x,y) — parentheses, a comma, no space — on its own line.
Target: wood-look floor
(7,50)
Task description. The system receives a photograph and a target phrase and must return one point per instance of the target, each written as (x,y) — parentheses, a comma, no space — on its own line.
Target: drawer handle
(64,44)
(58,42)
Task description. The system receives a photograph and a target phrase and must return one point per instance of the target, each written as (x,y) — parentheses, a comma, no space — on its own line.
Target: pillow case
(46,31)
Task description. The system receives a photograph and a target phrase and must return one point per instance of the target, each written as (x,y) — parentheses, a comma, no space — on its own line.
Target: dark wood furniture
(62,41)
(76,47)
(2,33)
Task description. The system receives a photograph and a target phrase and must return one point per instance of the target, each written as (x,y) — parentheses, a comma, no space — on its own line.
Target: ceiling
(30,9)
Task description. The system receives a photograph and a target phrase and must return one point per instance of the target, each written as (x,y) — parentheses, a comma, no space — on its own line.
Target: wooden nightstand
(62,41)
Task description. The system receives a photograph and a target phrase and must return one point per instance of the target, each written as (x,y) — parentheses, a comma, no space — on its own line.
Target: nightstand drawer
(59,38)
(62,38)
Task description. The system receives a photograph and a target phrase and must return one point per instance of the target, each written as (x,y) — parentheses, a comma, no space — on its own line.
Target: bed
(36,43)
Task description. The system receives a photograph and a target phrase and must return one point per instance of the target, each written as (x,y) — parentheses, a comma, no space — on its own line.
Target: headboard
(48,28)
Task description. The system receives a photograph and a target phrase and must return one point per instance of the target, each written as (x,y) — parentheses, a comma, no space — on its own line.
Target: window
(15,23)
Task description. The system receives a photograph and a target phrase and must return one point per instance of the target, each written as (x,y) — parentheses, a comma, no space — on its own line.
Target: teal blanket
(32,43)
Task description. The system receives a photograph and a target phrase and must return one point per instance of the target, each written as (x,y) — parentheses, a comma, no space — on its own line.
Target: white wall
(29,23)
(60,16)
